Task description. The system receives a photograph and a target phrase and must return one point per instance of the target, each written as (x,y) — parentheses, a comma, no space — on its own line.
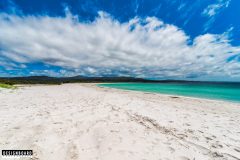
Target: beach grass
(8,86)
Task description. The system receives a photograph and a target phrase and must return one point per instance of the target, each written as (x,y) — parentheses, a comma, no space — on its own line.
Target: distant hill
(82,79)
(60,80)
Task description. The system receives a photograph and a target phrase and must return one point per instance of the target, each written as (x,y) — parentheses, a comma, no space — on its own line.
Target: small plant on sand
(8,86)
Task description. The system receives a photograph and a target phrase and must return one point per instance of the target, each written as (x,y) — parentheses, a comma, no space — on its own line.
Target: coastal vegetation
(60,80)
(8,86)
(81,79)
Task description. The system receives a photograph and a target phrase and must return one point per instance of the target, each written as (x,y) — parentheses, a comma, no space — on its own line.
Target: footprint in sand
(217,145)
(184,158)
(186,124)
(172,150)
(72,150)
(237,149)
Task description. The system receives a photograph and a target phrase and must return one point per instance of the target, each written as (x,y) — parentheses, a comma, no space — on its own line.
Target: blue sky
(165,39)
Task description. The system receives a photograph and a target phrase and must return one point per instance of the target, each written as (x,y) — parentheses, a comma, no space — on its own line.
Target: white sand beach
(86,122)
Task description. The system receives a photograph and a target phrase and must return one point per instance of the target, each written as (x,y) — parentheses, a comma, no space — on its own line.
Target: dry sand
(85,122)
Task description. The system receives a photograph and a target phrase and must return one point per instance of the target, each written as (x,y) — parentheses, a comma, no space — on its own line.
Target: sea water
(221,91)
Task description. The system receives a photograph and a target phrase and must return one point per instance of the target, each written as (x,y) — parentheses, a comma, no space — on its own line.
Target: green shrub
(6,86)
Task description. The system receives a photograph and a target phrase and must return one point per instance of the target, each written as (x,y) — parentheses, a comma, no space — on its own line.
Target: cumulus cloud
(140,47)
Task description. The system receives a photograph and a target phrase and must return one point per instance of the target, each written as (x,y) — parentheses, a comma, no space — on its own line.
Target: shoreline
(170,95)
(145,92)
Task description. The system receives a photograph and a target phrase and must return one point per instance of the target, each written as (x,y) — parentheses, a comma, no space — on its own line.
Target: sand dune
(82,121)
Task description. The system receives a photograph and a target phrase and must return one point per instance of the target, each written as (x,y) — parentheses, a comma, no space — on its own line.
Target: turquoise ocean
(217,91)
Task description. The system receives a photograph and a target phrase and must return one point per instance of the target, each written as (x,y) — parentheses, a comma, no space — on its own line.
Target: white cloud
(141,47)
(213,9)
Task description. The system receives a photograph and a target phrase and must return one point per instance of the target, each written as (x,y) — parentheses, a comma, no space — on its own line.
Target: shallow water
(222,91)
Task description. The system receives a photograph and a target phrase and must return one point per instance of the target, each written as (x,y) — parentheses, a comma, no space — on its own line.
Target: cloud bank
(140,47)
